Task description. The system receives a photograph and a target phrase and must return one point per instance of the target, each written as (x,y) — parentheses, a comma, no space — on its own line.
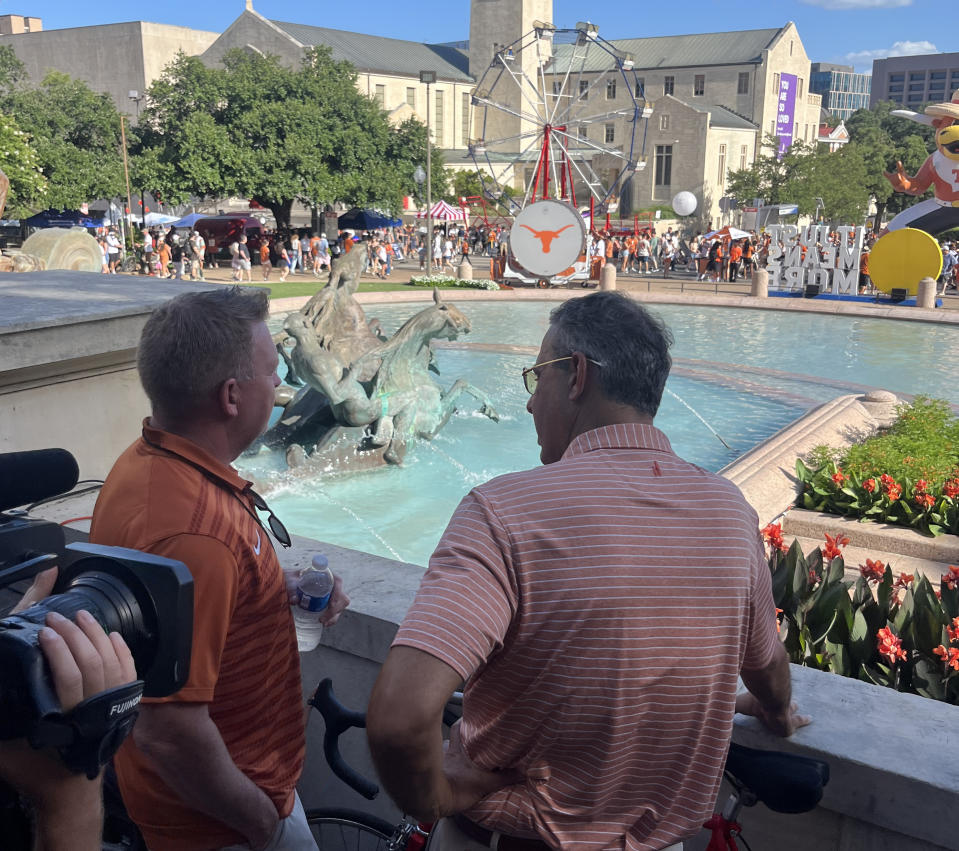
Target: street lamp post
(429,77)
(136,97)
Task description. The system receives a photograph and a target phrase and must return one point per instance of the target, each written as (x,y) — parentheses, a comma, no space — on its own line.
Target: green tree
(465,185)
(805,173)
(883,140)
(274,134)
(12,71)
(76,135)
(20,163)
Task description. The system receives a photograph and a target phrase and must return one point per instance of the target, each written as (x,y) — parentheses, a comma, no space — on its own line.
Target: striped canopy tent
(443,212)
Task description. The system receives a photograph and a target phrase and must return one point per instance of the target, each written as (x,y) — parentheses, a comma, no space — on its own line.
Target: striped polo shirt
(601,608)
(244,663)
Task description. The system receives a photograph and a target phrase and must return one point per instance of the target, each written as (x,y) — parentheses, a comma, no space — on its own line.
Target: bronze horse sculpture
(370,397)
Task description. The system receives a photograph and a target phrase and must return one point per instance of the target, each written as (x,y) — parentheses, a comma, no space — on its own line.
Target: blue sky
(848,31)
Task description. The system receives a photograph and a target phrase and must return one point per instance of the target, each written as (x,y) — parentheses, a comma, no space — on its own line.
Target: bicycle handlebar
(339,719)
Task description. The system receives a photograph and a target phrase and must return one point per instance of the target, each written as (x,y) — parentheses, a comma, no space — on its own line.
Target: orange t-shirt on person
(244,663)
(735,253)
(264,252)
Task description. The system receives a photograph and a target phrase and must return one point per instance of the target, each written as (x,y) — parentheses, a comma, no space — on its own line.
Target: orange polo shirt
(244,663)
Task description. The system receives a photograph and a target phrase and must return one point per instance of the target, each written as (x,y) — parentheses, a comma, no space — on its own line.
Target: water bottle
(312,596)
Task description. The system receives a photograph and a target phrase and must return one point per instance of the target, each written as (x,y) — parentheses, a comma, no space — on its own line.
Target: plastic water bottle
(312,596)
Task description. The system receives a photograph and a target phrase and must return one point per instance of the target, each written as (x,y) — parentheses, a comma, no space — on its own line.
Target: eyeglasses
(531,377)
(279,531)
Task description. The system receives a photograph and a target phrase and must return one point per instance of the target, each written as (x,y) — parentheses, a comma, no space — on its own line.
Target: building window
(610,90)
(896,88)
(557,87)
(772,127)
(610,133)
(742,88)
(799,86)
(937,86)
(640,87)
(743,156)
(583,89)
(937,75)
(917,75)
(699,85)
(379,95)
(776,84)
(411,97)
(915,98)
(917,87)
(583,132)
(669,84)
(438,126)
(897,78)
(721,179)
(466,117)
(664,165)
(664,121)
(790,47)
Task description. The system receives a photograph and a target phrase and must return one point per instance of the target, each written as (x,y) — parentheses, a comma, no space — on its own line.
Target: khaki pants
(446,835)
(291,834)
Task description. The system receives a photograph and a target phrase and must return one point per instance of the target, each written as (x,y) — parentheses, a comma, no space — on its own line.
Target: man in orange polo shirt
(216,764)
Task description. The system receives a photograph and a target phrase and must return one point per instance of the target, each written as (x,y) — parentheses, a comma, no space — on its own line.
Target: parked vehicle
(220,232)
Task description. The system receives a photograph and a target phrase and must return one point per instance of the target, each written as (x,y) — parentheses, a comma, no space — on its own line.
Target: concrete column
(607,277)
(760,284)
(927,293)
(464,271)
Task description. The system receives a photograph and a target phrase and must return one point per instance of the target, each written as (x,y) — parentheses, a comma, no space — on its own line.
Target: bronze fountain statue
(364,397)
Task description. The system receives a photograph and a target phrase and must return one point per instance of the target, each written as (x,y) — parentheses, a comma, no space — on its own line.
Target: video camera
(145,598)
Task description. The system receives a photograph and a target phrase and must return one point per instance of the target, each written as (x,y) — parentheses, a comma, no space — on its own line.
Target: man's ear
(578,376)
(229,397)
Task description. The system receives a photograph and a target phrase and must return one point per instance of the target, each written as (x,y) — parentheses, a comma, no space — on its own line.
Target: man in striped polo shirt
(215,765)
(599,608)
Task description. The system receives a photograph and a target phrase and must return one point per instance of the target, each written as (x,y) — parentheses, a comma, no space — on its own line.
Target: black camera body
(148,599)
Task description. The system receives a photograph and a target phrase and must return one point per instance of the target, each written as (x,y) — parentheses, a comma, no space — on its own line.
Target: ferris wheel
(560,113)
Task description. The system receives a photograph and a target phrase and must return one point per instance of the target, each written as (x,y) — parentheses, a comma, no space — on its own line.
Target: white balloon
(684,203)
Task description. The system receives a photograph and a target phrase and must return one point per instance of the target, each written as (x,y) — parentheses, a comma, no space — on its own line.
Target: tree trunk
(880,214)
(280,209)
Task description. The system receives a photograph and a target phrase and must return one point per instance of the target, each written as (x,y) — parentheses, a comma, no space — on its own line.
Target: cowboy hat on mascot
(940,170)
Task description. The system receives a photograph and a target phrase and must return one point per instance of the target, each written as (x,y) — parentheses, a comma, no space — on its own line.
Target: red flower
(773,535)
(893,491)
(921,486)
(951,579)
(839,478)
(925,500)
(951,488)
(869,485)
(886,480)
(813,576)
(834,546)
(889,645)
(953,630)
(873,571)
(949,655)
(903,580)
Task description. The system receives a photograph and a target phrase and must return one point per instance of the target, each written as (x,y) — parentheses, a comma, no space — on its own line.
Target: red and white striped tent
(443,212)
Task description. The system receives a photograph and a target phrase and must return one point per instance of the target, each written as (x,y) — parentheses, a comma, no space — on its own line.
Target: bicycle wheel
(349,830)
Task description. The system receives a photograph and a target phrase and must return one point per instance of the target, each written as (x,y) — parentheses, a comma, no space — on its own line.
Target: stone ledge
(766,474)
(880,537)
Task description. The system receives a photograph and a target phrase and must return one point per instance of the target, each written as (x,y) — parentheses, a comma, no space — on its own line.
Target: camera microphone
(27,477)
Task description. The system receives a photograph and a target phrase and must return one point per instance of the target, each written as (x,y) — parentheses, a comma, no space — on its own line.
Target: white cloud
(859,4)
(862,58)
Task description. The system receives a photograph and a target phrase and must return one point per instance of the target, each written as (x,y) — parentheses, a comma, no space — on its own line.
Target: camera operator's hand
(42,588)
(83,661)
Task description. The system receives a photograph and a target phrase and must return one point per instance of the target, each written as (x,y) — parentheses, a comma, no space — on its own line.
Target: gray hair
(193,343)
(631,344)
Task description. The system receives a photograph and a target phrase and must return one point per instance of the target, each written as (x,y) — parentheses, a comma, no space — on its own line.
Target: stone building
(714,96)
(115,59)
(912,81)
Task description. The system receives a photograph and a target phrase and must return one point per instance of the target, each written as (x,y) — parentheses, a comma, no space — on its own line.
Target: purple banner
(785,112)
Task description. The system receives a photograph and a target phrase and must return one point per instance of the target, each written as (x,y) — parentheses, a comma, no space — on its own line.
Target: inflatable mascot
(940,170)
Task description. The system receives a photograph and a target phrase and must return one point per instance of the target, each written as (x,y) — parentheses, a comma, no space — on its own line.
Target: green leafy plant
(448,282)
(907,475)
(896,631)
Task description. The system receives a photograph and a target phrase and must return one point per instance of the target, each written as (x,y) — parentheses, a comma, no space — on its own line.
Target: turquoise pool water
(747,373)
